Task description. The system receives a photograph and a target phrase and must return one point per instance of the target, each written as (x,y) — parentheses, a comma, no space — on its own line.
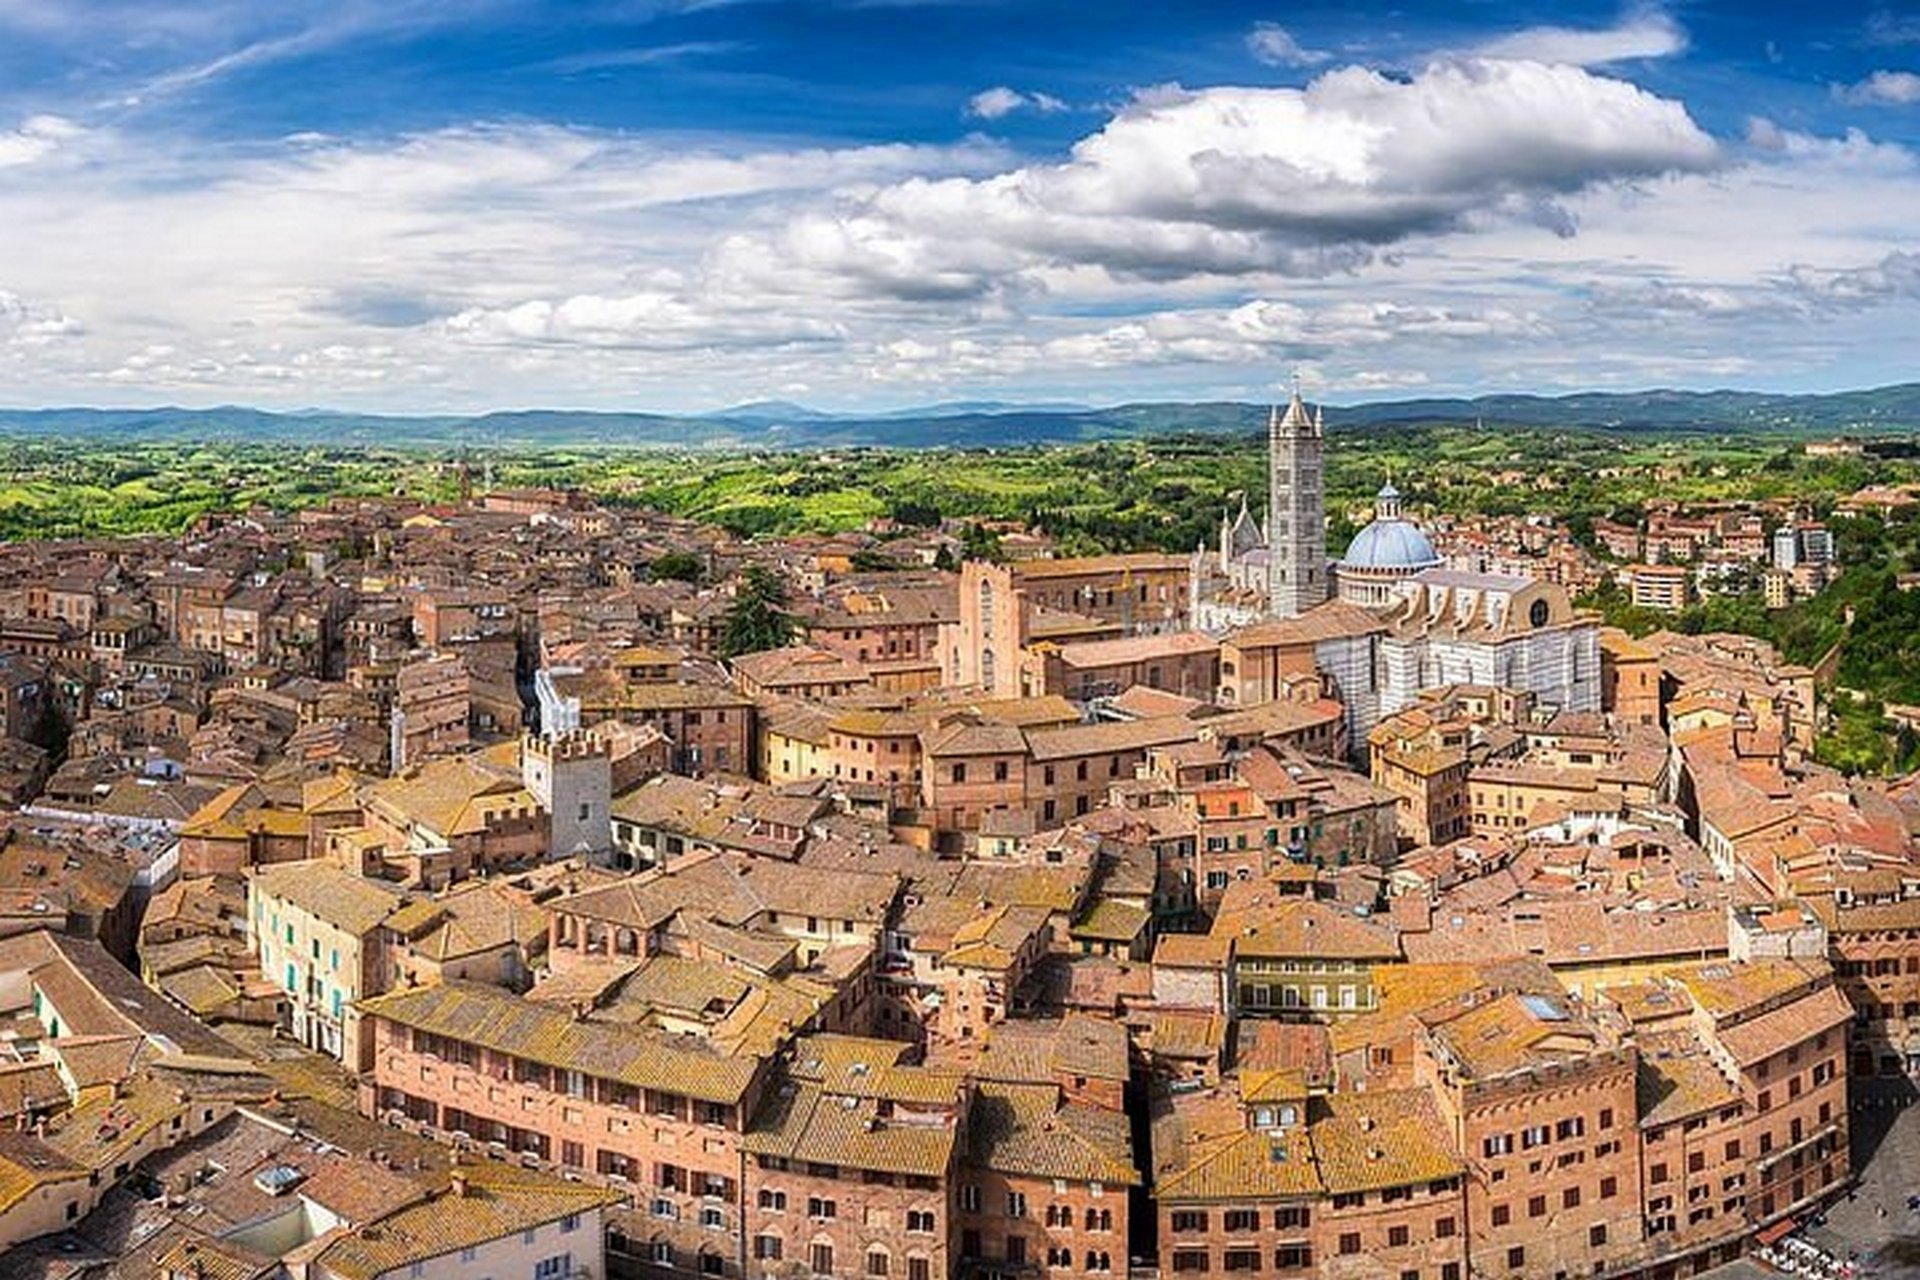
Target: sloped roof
(1025,1130)
(488,1016)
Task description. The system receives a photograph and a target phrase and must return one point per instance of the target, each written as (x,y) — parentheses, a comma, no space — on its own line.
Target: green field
(1163,492)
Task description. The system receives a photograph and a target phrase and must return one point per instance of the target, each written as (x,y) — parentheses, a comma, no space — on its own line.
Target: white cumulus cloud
(28,324)
(999,101)
(37,137)
(651,320)
(1882,89)
(1895,276)
(1274,45)
(1641,33)
(1232,181)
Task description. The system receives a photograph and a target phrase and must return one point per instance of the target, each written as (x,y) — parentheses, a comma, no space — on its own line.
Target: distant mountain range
(779,425)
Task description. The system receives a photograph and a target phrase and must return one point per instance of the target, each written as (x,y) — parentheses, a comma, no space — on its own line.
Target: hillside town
(520,886)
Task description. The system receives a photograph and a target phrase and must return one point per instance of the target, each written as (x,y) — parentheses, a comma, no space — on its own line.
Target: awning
(1777,1232)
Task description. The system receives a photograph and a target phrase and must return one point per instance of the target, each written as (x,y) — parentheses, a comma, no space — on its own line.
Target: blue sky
(419,206)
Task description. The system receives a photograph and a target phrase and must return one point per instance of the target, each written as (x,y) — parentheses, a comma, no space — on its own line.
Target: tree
(756,619)
(913,511)
(979,543)
(680,566)
(1906,748)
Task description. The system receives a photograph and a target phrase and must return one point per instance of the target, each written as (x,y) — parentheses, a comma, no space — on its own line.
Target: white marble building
(1453,627)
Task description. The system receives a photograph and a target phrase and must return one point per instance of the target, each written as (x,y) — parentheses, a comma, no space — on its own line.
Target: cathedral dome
(1390,544)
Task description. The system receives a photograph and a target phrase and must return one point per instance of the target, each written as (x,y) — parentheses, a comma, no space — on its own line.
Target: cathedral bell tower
(1297,534)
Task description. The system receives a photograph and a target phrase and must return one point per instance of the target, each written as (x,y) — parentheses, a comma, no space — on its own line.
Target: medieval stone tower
(571,775)
(1297,520)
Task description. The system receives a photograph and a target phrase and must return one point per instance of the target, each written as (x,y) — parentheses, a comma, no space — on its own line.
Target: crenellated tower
(571,776)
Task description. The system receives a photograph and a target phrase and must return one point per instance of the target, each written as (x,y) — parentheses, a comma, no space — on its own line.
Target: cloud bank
(1508,217)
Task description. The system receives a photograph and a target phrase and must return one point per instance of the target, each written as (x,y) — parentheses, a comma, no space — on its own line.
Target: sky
(413,206)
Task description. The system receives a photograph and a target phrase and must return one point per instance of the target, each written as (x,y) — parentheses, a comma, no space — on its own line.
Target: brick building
(1541,1100)
(1005,609)
(652,1112)
(851,1163)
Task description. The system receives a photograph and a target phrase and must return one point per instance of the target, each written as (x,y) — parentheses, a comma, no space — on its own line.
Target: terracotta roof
(1402,990)
(88,1061)
(1202,1150)
(454,796)
(30,1086)
(1334,620)
(499,1201)
(203,990)
(1037,1051)
(328,892)
(499,1020)
(734,890)
(1186,1033)
(1868,918)
(966,738)
(469,919)
(1373,1139)
(1294,926)
(1516,1031)
(1302,1049)
(27,1164)
(992,939)
(1116,564)
(1112,920)
(1025,1131)
(1679,1079)
(95,995)
(807,1121)
(1129,649)
(1192,951)
(193,1253)
(1778,1029)
(106,1126)
(798,667)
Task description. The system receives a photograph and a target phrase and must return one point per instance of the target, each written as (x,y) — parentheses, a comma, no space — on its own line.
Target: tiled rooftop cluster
(427,886)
